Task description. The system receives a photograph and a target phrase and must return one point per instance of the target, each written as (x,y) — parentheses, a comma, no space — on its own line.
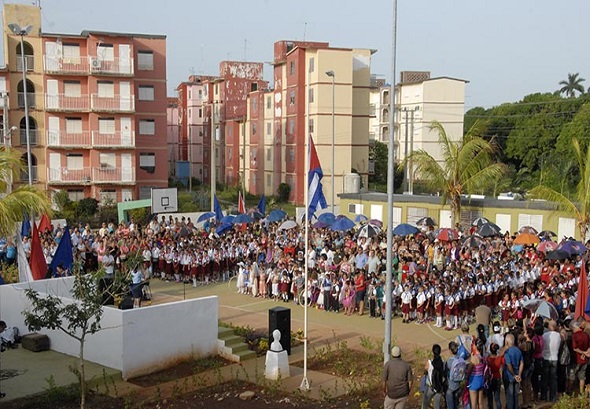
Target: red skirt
(448,310)
(406,308)
(439,309)
(421,308)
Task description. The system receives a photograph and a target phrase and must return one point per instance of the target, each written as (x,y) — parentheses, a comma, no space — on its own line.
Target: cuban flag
(583,298)
(317,200)
(241,203)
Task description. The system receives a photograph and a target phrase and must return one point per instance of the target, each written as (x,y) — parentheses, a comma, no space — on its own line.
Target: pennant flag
(37,259)
(25,227)
(64,254)
(217,209)
(262,205)
(317,200)
(45,224)
(241,204)
(24,270)
(583,298)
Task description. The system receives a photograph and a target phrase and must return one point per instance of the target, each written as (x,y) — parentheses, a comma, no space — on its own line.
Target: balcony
(66,176)
(116,103)
(33,134)
(30,99)
(29,60)
(24,174)
(66,103)
(120,67)
(113,175)
(63,139)
(66,65)
(4,101)
(113,140)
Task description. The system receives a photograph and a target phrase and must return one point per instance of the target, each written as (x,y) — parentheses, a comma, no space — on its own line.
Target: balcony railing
(117,66)
(33,134)
(66,65)
(29,59)
(24,174)
(69,176)
(116,103)
(113,140)
(30,99)
(113,175)
(63,139)
(2,104)
(62,102)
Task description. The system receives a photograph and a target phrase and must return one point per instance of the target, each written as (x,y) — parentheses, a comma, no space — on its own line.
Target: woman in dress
(348,300)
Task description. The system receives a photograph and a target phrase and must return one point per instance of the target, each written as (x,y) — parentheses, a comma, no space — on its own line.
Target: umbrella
(557,255)
(227,219)
(547,246)
(320,225)
(405,229)
(545,234)
(289,224)
(223,228)
(342,223)
(426,221)
(368,230)
(527,238)
(256,215)
(517,248)
(472,242)
(572,247)
(542,307)
(376,222)
(205,216)
(327,218)
(488,230)
(276,215)
(360,218)
(528,229)
(480,221)
(446,234)
(242,218)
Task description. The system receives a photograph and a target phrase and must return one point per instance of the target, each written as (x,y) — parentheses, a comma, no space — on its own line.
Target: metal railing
(113,175)
(29,59)
(117,66)
(66,65)
(116,139)
(33,134)
(116,103)
(69,176)
(63,139)
(62,102)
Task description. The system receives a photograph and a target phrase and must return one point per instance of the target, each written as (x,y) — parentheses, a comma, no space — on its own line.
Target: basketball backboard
(164,200)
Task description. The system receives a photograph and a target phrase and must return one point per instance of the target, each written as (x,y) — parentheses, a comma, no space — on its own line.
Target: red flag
(582,305)
(37,260)
(45,224)
(241,204)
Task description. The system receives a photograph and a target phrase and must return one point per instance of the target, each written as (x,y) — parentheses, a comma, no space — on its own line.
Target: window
(254,86)
(230,154)
(74,125)
(106,125)
(268,128)
(145,192)
(105,52)
(268,180)
(355,208)
(200,112)
(108,160)
(291,126)
(292,68)
(254,104)
(311,125)
(269,155)
(216,89)
(189,94)
(190,113)
(268,102)
(415,214)
(71,53)
(74,161)
(106,89)
(254,129)
(146,92)
(72,89)
(147,162)
(145,60)
(147,126)
(200,94)
(76,195)
(107,195)
(292,97)
(291,155)
(311,95)
(311,64)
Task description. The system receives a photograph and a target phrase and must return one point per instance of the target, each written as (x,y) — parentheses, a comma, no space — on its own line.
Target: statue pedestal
(277,364)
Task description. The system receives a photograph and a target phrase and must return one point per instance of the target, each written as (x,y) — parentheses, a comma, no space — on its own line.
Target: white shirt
(552,342)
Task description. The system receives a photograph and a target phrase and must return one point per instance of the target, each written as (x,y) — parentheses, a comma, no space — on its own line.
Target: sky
(506,49)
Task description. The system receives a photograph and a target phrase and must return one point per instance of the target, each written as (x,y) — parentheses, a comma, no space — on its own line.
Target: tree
(23,200)
(378,155)
(572,85)
(77,319)
(579,205)
(467,166)
(283,192)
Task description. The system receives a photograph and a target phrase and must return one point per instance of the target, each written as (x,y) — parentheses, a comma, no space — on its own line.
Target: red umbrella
(547,246)
(447,234)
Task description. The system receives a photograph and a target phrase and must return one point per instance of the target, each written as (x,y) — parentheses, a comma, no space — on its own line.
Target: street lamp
(333,76)
(23,31)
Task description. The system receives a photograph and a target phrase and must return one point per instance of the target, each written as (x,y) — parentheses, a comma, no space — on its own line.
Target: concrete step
(232,347)
(245,355)
(239,348)
(231,340)
(223,332)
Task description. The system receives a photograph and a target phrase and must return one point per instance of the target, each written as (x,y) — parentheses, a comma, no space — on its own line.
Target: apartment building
(97,108)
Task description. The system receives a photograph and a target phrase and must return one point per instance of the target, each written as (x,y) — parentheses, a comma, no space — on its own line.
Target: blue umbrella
(360,218)
(257,215)
(276,215)
(517,248)
(223,228)
(342,223)
(405,229)
(242,218)
(572,247)
(320,225)
(327,218)
(205,216)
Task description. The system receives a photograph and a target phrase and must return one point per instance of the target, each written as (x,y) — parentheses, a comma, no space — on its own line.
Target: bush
(572,402)
(283,192)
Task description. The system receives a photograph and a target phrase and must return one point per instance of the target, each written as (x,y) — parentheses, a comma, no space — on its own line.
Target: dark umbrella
(480,221)
(572,247)
(276,215)
(320,225)
(545,234)
(256,215)
(327,218)
(242,218)
(368,230)
(488,230)
(342,223)
(557,255)
(376,222)
(446,234)
(405,229)
(472,242)
(205,216)
(426,221)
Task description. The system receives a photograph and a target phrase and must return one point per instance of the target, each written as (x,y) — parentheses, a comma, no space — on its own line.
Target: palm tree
(467,166)
(579,205)
(24,200)
(573,84)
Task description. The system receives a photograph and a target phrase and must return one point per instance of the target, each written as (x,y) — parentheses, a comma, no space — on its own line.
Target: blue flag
(64,255)
(262,205)
(217,209)
(25,227)
(317,200)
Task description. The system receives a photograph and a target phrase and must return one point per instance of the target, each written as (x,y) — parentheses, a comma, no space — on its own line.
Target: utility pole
(405,183)
(410,162)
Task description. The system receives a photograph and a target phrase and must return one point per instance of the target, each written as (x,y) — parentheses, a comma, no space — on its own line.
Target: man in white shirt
(108,262)
(552,340)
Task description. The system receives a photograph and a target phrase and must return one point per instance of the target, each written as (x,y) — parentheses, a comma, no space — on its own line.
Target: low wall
(136,341)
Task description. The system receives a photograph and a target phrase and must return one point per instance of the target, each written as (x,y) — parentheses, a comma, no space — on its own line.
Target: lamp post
(23,31)
(333,76)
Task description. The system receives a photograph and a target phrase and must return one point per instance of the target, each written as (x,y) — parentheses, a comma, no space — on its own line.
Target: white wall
(136,342)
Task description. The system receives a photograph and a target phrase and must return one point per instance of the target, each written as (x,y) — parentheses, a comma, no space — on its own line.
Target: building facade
(97,108)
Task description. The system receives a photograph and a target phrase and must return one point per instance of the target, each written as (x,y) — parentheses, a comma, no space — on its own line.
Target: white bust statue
(276,343)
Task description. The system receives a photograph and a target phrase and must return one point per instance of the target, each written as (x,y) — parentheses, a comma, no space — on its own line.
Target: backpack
(487,374)
(437,381)
(564,354)
(458,369)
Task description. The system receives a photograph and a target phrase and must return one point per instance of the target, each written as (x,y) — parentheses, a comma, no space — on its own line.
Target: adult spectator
(525,344)
(476,376)
(496,365)
(435,369)
(398,379)
(538,346)
(454,386)
(513,374)
(483,315)
(581,348)
(552,340)
(360,284)
(136,286)
(108,262)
